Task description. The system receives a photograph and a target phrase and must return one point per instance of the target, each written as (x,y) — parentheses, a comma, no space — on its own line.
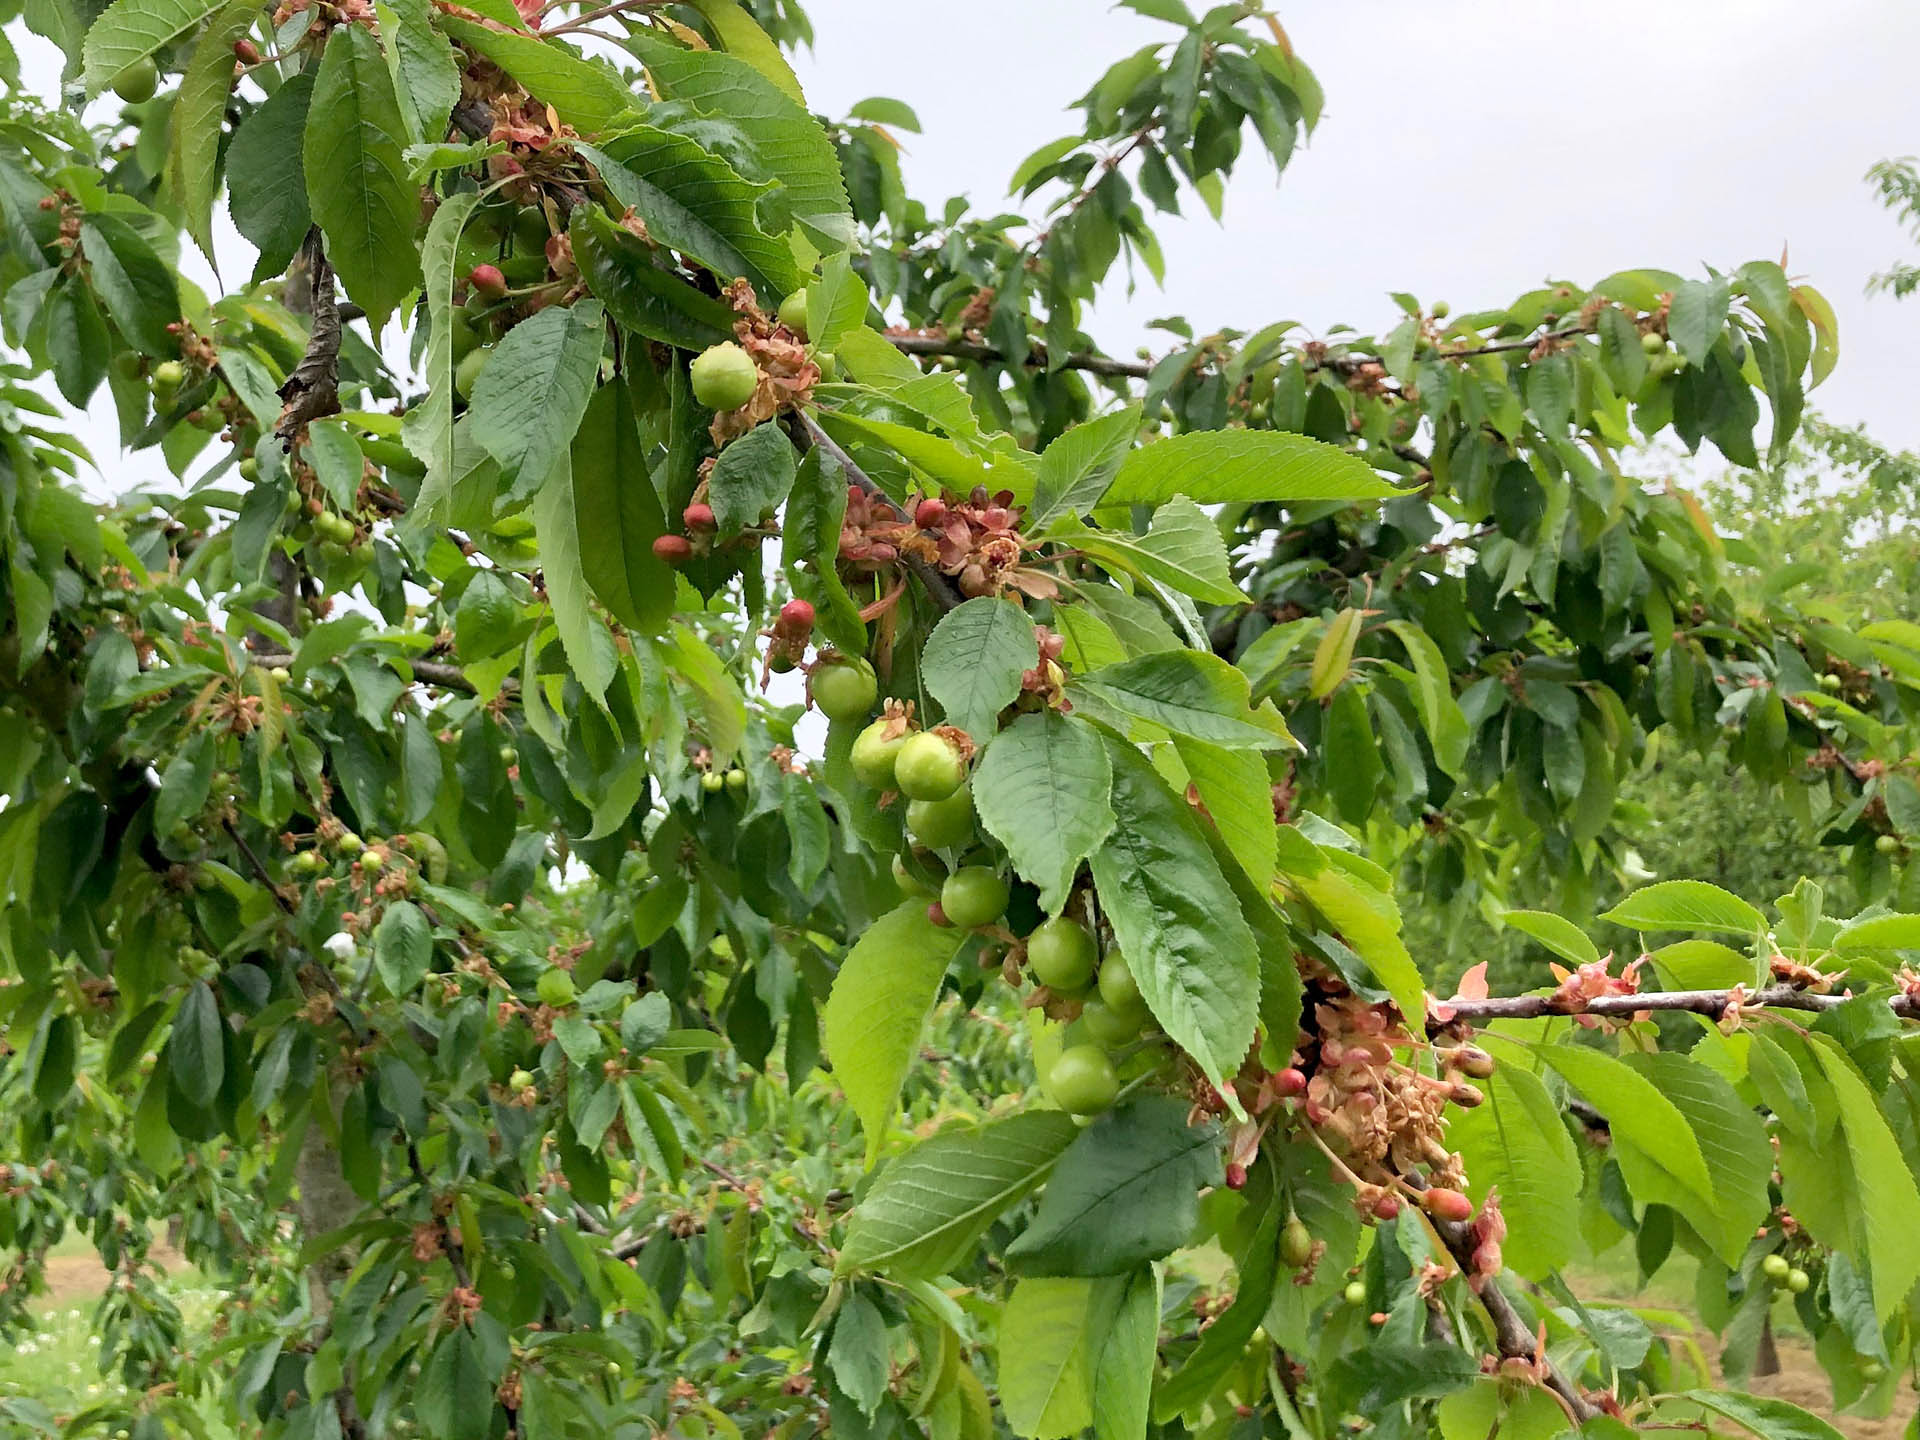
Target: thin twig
(938,586)
(427,672)
(1711,1003)
(1091,361)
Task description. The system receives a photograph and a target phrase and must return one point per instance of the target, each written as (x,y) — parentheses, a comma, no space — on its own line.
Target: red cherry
(488,280)
(796,618)
(1444,1204)
(930,513)
(937,915)
(1386,1207)
(699,517)
(246,52)
(1291,1081)
(674,550)
(1236,1175)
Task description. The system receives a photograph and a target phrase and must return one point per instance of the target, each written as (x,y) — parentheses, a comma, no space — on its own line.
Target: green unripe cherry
(1083,1081)
(1441,309)
(1117,985)
(520,1080)
(736,779)
(137,82)
(467,373)
(928,767)
(1887,844)
(167,376)
(843,686)
(874,753)
(1296,1244)
(942,824)
(724,377)
(909,881)
(1798,1281)
(713,782)
(1776,1268)
(1653,342)
(1355,1293)
(973,896)
(793,313)
(1061,954)
(1107,1026)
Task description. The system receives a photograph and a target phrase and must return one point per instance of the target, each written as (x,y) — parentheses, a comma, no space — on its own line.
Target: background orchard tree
(423,890)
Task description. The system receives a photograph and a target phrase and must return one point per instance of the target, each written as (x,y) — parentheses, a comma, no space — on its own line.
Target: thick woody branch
(1711,1003)
(312,391)
(938,586)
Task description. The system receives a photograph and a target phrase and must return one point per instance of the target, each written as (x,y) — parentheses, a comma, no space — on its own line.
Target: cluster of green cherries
(930,772)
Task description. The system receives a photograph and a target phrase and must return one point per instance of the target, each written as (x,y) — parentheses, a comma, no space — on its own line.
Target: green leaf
(879,1004)
(199,109)
(586,94)
(1182,548)
(1224,1342)
(1881,1185)
(403,948)
(1374,1378)
(1882,932)
(884,110)
(1697,316)
(1765,1416)
(1514,1141)
(185,784)
(588,646)
(789,143)
(836,303)
(427,428)
(528,402)
(1041,789)
(858,1352)
(1433,698)
(196,1055)
(1176,918)
(739,35)
(930,1205)
(1221,466)
(77,344)
(1125,1351)
(132,282)
(974,659)
(693,201)
(1732,1141)
(1368,921)
(752,476)
(619,268)
(267,178)
(454,1395)
(723,711)
(1556,932)
(1238,792)
(617,515)
(1125,1192)
(129,31)
(1637,1112)
(1076,469)
(426,72)
(1186,693)
(1686,905)
(1045,1333)
(357,183)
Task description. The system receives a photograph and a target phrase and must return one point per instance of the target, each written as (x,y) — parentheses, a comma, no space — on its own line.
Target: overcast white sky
(1468,151)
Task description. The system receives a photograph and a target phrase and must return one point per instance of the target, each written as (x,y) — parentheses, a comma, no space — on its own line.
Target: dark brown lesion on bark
(312,391)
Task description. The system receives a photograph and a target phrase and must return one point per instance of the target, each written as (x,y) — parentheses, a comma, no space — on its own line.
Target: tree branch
(313,389)
(1091,361)
(426,672)
(938,586)
(1711,1003)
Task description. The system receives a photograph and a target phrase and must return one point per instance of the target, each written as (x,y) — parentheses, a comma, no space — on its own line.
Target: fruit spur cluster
(975,540)
(1353,1087)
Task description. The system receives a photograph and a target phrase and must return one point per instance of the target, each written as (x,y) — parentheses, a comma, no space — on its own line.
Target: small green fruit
(1776,1268)
(843,686)
(1107,1026)
(555,987)
(713,782)
(1653,342)
(1117,985)
(467,372)
(736,780)
(928,767)
(520,1080)
(1355,1293)
(349,843)
(942,824)
(281,675)
(431,855)
(137,82)
(1798,1281)
(910,882)
(724,377)
(1873,1372)
(1296,1244)
(973,896)
(1830,682)
(167,376)
(249,469)
(1061,954)
(1441,309)
(1083,1081)
(1887,844)
(793,313)
(874,753)
(828,364)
